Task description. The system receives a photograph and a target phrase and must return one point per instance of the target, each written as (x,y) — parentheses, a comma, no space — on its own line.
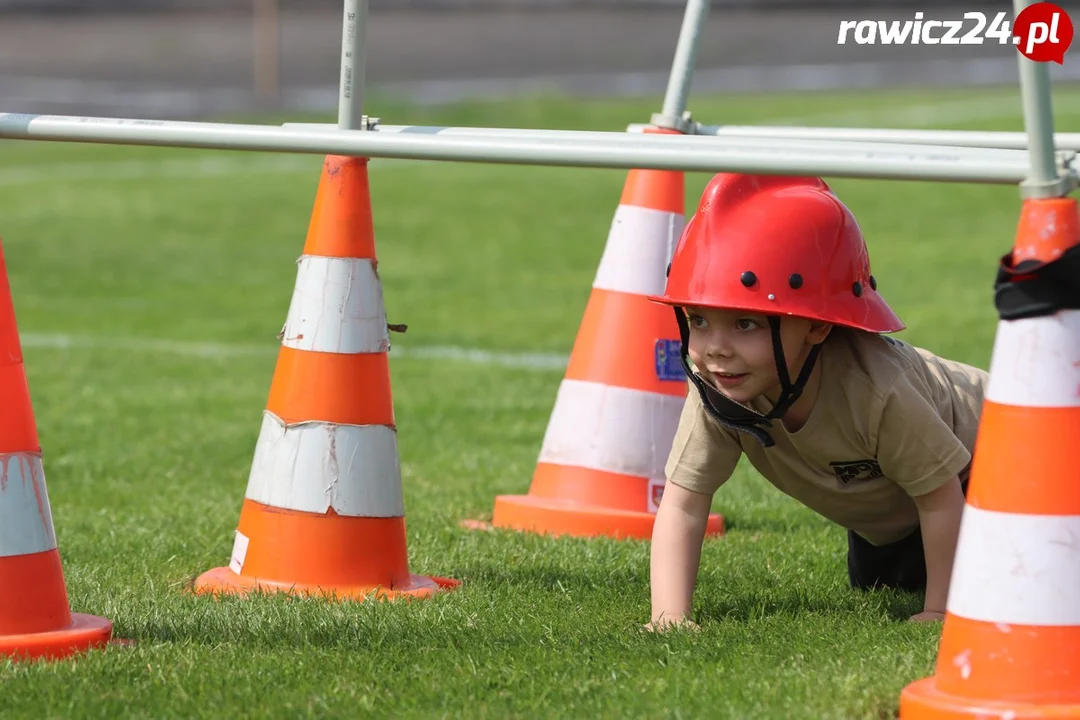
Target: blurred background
(183,59)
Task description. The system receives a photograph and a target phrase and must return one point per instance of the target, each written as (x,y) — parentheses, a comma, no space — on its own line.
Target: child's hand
(671,623)
(927,616)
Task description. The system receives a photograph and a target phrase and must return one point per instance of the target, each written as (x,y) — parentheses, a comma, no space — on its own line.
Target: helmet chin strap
(734,415)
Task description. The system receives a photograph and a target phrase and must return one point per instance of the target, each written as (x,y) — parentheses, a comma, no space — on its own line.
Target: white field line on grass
(214,350)
(926,115)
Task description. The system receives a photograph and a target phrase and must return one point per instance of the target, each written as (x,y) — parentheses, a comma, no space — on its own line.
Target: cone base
(923,701)
(223,581)
(85,632)
(554,516)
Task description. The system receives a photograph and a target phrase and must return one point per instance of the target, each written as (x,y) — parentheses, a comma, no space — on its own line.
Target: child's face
(733,350)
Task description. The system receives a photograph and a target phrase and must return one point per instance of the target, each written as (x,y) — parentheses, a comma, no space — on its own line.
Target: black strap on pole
(1033,288)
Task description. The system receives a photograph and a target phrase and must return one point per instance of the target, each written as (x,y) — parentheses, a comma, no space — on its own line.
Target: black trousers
(899,565)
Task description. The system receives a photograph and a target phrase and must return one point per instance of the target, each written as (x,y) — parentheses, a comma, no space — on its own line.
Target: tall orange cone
(601,465)
(1010,645)
(323,512)
(35,618)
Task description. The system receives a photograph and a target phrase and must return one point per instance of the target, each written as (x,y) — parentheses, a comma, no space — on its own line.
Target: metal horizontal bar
(969,138)
(932,163)
(633,138)
(528,133)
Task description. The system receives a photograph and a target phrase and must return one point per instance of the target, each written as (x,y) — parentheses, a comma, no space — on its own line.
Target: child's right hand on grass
(676,552)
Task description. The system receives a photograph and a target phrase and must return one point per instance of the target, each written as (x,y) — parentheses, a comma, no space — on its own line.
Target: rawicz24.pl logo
(1042,32)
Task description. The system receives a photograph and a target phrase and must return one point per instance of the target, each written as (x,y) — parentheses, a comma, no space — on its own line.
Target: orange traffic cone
(601,464)
(1010,645)
(323,512)
(35,618)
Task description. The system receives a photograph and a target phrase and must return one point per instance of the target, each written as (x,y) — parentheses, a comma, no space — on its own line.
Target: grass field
(149,286)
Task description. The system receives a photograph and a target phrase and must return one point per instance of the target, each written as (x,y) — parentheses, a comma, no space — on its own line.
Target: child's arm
(676,553)
(939,515)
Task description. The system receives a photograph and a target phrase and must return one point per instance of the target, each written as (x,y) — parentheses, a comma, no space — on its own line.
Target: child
(771,281)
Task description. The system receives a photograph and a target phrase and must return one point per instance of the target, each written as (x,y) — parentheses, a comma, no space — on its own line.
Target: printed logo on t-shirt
(857,470)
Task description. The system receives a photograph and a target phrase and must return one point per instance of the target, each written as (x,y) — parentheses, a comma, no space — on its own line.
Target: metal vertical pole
(1038,122)
(351,95)
(682,67)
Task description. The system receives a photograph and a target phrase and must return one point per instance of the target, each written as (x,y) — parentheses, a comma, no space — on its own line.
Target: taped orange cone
(35,618)
(323,512)
(1010,645)
(601,464)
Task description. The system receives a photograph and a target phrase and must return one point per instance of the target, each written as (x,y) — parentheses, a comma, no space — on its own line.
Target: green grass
(147,450)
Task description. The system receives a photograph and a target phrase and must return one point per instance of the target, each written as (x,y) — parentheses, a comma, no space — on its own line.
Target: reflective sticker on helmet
(668,363)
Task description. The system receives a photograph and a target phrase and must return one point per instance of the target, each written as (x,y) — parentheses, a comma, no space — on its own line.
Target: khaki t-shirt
(891,422)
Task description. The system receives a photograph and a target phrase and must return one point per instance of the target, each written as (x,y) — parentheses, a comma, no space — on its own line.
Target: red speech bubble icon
(1043,32)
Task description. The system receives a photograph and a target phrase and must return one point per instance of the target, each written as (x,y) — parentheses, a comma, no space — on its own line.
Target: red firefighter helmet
(777,245)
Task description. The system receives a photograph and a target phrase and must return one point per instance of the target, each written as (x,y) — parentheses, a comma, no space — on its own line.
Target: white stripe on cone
(639,246)
(336,307)
(315,466)
(612,429)
(1036,362)
(25,516)
(1017,569)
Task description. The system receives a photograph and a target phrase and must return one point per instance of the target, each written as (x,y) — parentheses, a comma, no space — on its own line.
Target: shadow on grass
(796,602)
(568,582)
(495,610)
